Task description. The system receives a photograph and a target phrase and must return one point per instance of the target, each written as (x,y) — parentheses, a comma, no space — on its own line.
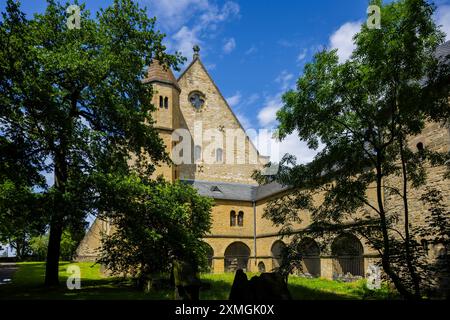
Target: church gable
(203,108)
(215,108)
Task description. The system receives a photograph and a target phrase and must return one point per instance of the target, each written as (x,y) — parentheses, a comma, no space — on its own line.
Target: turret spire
(196,49)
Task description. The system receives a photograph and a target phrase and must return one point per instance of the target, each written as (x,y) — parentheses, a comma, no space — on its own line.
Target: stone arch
(237,255)
(277,250)
(261,267)
(310,251)
(348,255)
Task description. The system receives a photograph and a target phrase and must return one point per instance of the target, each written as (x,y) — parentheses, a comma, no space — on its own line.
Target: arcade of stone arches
(347,257)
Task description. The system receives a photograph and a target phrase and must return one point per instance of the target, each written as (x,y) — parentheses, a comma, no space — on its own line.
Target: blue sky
(255,50)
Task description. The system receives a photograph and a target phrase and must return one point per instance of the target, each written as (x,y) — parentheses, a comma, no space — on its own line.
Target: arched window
(232,218)
(347,253)
(219,155)
(261,267)
(240,219)
(310,252)
(420,149)
(197,153)
(277,251)
(420,146)
(161,102)
(166,103)
(236,255)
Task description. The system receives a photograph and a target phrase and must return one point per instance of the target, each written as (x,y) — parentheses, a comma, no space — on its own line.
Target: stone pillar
(219,265)
(326,268)
(367,262)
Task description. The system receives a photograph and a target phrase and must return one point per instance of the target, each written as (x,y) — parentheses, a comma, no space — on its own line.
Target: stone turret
(166,99)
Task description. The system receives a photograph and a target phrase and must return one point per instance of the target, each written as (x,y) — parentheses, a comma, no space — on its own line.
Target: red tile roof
(160,73)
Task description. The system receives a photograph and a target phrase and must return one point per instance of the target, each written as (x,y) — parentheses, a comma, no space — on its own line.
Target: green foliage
(362,112)
(39,245)
(74,105)
(155,224)
(21,214)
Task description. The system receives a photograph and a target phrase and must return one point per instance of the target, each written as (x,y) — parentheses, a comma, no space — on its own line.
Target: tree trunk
(56,223)
(413,274)
(53,252)
(385,258)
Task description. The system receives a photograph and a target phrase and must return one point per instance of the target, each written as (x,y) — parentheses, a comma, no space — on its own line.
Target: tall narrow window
(232,218)
(240,219)
(219,155)
(161,103)
(197,153)
(166,103)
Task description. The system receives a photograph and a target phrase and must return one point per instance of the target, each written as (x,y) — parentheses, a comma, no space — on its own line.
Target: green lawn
(27,284)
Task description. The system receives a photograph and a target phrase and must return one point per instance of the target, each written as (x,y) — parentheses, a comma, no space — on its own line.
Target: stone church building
(240,237)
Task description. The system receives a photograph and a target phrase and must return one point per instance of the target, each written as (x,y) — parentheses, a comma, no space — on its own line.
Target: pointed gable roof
(157,72)
(196,58)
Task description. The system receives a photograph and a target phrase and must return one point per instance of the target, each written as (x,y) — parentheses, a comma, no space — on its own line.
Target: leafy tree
(363,111)
(156,224)
(76,100)
(21,213)
(39,245)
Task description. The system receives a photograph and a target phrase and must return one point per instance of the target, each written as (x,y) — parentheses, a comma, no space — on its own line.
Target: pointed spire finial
(196,49)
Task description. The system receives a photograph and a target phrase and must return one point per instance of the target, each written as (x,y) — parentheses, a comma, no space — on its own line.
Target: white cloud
(234,100)
(302,55)
(284,79)
(442,17)
(214,14)
(190,20)
(252,99)
(294,146)
(342,39)
(267,115)
(172,14)
(251,50)
(229,45)
(275,149)
(211,66)
(185,39)
(245,122)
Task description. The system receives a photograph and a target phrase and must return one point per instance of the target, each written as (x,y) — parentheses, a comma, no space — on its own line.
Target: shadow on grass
(299,292)
(101,289)
(28,283)
(219,290)
(322,289)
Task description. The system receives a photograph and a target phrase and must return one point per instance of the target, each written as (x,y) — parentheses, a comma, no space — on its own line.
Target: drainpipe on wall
(254,228)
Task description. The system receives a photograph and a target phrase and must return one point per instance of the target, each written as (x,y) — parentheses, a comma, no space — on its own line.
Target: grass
(27,283)
(323,289)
